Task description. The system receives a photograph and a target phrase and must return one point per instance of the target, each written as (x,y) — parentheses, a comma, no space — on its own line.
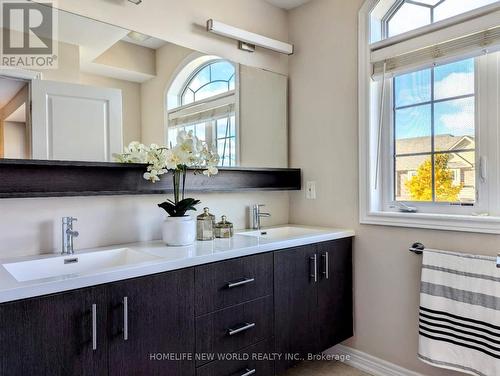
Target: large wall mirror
(113,86)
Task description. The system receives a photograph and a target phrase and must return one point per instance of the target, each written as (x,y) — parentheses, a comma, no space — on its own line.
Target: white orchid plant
(189,153)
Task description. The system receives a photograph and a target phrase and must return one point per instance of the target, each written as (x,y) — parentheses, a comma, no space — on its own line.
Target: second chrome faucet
(68,234)
(257,215)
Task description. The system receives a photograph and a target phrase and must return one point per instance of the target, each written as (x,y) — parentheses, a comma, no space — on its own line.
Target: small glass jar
(205,224)
(224,229)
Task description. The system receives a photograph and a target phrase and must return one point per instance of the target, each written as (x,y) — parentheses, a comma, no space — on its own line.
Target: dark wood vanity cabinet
(292,301)
(313,299)
(150,318)
(54,335)
(94,331)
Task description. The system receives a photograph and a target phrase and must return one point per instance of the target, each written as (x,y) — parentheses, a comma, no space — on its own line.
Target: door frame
(27,76)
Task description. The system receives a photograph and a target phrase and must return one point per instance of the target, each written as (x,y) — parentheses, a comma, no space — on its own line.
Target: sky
(451,115)
(411,16)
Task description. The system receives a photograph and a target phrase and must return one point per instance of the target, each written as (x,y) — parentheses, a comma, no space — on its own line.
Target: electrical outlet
(311,190)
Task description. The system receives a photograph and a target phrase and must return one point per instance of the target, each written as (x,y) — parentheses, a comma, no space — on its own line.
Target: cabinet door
(54,335)
(295,304)
(335,292)
(151,325)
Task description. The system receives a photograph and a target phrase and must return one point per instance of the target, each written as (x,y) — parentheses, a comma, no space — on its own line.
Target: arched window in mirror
(394,17)
(202,100)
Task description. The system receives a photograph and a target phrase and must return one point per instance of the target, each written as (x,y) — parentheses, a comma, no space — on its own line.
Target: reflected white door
(75,122)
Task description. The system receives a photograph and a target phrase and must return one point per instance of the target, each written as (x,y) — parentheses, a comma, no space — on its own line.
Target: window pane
(454,119)
(222,128)
(222,70)
(409,17)
(172,136)
(211,89)
(226,150)
(413,178)
(454,80)
(455,177)
(452,8)
(200,131)
(200,79)
(187,97)
(413,130)
(232,82)
(413,88)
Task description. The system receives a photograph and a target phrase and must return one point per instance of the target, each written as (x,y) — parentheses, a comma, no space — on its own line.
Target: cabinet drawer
(255,360)
(223,284)
(234,328)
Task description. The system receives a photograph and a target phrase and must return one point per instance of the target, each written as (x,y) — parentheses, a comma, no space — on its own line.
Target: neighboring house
(461,163)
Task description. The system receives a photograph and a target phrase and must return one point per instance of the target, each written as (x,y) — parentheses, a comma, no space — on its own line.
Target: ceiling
(287,4)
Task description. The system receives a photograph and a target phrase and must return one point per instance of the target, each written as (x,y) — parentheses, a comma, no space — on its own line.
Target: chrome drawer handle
(326,272)
(314,276)
(94,327)
(248,372)
(240,282)
(125,318)
(242,328)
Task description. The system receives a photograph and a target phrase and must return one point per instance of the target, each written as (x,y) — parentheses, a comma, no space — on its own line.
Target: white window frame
(374,203)
(231,96)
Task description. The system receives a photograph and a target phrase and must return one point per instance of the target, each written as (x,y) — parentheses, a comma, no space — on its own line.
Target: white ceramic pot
(179,231)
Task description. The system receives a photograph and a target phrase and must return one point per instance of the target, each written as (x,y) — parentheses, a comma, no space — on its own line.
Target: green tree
(420,185)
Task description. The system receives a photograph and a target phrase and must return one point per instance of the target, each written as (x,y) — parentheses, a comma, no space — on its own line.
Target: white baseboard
(369,363)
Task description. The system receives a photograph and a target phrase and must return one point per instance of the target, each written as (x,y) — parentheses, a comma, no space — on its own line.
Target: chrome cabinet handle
(314,259)
(242,328)
(125,318)
(248,372)
(326,271)
(240,282)
(94,327)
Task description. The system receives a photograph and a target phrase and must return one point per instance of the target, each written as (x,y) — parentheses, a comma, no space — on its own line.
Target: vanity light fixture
(136,2)
(248,40)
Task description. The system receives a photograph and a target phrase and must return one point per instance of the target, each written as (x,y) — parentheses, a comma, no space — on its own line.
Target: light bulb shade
(249,37)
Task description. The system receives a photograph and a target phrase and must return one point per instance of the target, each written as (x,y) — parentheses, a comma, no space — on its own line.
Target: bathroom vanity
(271,299)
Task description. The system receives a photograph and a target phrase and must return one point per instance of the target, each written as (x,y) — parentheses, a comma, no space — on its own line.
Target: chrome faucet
(257,215)
(68,234)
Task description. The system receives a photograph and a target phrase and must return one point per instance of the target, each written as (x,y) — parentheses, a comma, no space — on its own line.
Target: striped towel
(459,326)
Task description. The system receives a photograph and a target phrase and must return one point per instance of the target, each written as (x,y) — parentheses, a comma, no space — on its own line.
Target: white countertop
(168,258)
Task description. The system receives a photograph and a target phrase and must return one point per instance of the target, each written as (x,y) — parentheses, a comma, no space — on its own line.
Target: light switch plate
(311,190)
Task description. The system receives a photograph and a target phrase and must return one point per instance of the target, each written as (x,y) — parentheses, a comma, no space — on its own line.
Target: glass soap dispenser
(205,224)
(224,229)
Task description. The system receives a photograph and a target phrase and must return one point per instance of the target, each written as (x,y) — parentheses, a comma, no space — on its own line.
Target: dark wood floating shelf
(37,178)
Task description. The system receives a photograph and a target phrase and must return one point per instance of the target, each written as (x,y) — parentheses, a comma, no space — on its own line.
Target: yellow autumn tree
(420,185)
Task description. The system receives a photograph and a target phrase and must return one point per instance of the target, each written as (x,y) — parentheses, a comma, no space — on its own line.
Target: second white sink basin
(285,232)
(82,263)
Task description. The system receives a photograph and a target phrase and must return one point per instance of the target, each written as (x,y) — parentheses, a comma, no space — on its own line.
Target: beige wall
(32,226)
(14,134)
(323,111)
(263,118)
(153,92)
(28,226)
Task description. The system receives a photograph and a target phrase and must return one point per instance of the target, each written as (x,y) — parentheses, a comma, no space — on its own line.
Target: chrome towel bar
(418,249)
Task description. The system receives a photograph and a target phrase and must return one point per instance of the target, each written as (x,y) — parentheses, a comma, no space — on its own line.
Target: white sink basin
(82,263)
(285,232)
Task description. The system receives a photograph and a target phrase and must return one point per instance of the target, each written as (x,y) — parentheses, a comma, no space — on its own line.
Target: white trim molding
(369,363)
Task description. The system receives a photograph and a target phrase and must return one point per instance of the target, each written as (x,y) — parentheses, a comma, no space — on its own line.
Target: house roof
(443,142)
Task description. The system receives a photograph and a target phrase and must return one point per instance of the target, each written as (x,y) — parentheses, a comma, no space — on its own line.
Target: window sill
(447,222)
